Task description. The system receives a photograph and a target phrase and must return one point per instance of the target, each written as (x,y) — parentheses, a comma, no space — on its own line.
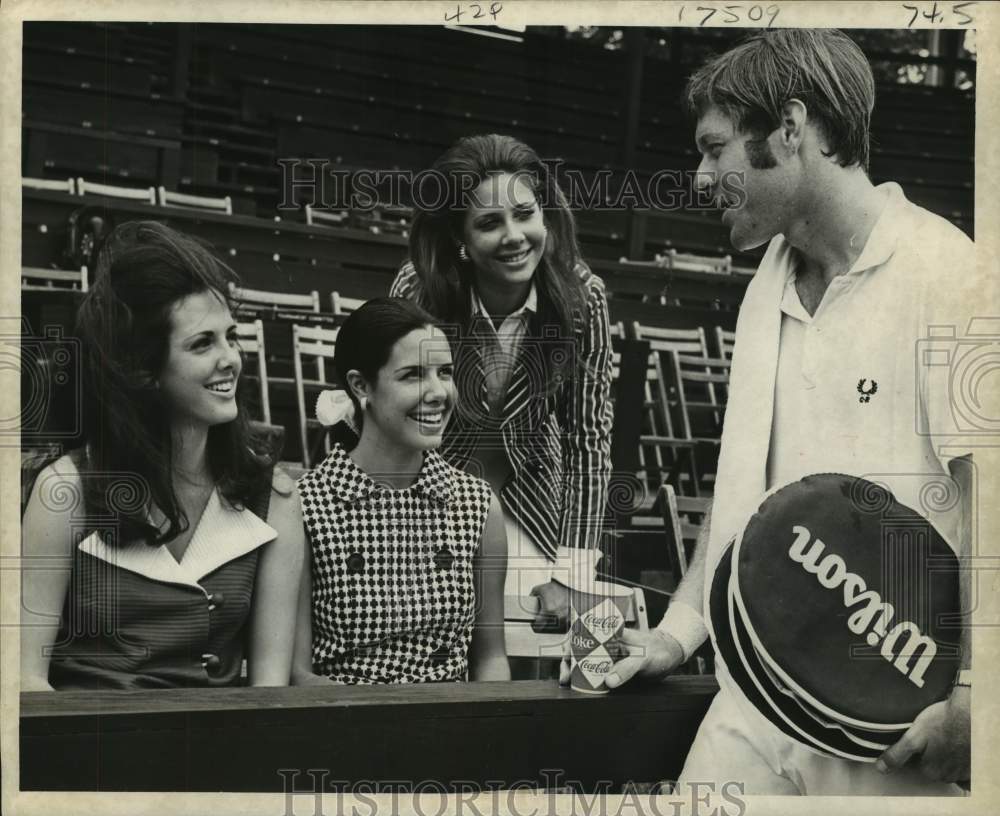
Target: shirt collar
(885,235)
(530,305)
(878,249)
(222,534)
(351,484)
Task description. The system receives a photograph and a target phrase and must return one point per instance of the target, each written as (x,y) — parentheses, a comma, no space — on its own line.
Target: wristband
(685,626)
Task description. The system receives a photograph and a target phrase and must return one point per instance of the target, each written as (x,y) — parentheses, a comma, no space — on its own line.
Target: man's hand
(940,739)
(553,614)
(651,655)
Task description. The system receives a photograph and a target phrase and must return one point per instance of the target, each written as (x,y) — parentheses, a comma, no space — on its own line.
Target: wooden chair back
(311,347)
(45,280)
(283,300)
(146,194)
(341,305)
(725,342)
(168,198)
(251,338)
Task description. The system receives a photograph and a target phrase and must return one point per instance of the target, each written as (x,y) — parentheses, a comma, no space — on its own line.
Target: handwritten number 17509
(732,14)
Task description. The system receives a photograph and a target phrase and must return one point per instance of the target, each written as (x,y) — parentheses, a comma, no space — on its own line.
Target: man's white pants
(729,747)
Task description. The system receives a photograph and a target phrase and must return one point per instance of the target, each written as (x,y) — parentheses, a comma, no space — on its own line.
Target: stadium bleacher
(208,110)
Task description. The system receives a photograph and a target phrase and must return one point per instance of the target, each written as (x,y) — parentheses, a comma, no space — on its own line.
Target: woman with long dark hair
(493,251)
(162,565)
(408,553)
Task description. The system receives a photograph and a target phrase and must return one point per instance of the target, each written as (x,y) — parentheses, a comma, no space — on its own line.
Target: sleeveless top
(393,593)
(136,618)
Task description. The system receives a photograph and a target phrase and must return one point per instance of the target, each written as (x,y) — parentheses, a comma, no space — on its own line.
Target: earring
(462,254)
(362,402)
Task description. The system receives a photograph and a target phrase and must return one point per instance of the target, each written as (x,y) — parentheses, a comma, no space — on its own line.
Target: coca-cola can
(597,617)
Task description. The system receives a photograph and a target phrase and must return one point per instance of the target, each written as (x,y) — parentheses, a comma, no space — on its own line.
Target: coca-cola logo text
(607,625)
(595,666)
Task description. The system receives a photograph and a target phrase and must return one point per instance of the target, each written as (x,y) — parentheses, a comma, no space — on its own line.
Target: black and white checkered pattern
(393,595)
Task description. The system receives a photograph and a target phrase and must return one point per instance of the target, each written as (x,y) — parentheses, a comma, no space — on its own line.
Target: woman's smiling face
(199,378)
(504,231)
(413,395)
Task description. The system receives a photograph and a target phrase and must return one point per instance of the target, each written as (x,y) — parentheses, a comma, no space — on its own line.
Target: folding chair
(344,305)
(274,300)
(53,280)
(193,202)
(325,217)
(683,519)
(317,344)
(659,401)
(59,185)
(147,194)
(702,392)
(725,341)
(251,338)
(617,330)
(672,259)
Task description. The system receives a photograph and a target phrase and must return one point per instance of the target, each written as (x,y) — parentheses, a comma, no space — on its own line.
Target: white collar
(222,535)
(530,305)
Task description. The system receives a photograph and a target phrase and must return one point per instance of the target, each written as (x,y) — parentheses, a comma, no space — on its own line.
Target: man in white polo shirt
(826,375)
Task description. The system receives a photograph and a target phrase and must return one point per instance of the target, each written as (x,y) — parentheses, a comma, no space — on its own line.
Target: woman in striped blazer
(494,255)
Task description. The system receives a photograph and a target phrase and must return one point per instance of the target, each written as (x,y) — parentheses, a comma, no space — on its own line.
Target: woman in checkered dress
(408,559)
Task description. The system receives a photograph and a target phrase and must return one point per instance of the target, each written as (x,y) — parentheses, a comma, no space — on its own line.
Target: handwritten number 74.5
(936,15)
(477,12)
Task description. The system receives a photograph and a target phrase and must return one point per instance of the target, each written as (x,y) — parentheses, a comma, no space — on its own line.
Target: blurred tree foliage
(698,44)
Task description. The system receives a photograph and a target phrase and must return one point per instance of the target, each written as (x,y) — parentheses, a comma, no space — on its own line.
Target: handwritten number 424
(477,12)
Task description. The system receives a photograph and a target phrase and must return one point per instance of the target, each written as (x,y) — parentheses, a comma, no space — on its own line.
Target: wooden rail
(250,739)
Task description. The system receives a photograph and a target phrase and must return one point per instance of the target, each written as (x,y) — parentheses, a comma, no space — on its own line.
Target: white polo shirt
(893,329)
(852,393)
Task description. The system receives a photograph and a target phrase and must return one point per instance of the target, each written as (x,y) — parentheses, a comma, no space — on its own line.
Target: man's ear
(794,116)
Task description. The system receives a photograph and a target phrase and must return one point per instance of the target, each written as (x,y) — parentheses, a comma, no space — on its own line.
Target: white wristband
(685,625)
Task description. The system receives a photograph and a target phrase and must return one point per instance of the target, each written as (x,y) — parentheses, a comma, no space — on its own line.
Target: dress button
(443,559)
(210,661)
(215,600)
(355,562)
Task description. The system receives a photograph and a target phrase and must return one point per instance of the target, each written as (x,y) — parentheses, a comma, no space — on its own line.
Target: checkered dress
(393,596)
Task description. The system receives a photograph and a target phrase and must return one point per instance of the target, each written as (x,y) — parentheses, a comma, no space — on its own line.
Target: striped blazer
(556,431)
